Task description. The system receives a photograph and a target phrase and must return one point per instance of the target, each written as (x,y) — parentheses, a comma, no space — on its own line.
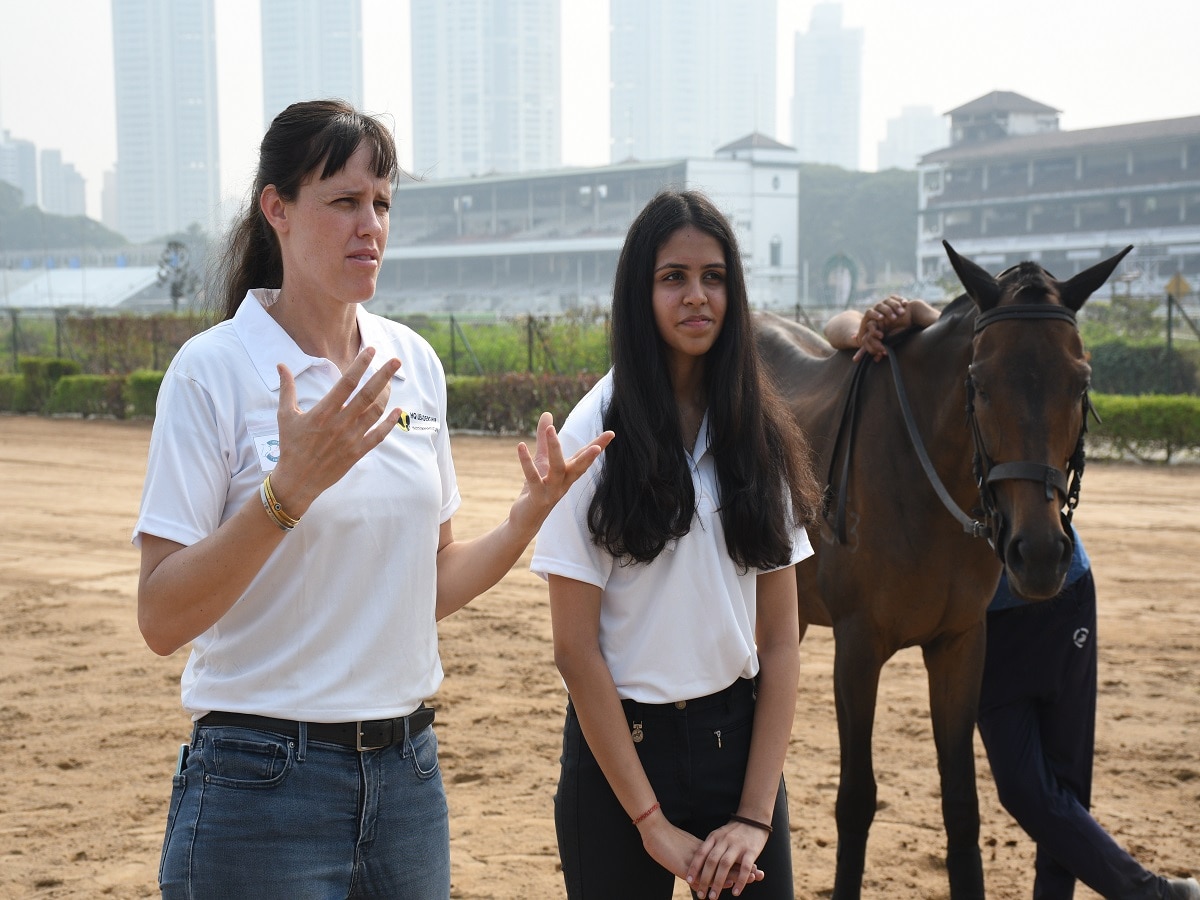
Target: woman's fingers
(321,445)
(548,468)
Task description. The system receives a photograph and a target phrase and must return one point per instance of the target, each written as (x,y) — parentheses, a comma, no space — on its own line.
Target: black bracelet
(745,821)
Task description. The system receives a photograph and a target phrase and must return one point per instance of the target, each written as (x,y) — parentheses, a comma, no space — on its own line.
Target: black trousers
(695,758)
(1037,718)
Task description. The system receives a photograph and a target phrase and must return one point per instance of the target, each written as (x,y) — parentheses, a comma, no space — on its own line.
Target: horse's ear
(1074,293)
(976,281)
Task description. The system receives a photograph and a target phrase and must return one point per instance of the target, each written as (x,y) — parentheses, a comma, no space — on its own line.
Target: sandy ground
(90,719)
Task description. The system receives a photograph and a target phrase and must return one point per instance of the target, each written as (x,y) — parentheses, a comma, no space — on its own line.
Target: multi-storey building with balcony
(548,242)
(1012,186)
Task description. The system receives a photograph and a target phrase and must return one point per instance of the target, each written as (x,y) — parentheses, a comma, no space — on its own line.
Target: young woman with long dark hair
(672,589)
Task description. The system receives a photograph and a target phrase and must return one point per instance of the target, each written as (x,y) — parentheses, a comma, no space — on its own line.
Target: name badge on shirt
(262,425)
(417,421)
(267,446)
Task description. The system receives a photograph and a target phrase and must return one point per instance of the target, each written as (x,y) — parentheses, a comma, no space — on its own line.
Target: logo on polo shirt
(417,422)
(1081,636)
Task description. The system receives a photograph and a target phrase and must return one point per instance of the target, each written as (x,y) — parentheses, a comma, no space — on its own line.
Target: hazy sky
(1101,62)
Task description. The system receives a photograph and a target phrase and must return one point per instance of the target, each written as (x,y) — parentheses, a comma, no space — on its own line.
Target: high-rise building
(689,76)
(164,56)
(62,186)
(916,131)
(486,81)
(18,166)
(311,49)
(827,100)
(108,201)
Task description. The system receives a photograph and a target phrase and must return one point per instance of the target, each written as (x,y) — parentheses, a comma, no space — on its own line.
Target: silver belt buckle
(358,744)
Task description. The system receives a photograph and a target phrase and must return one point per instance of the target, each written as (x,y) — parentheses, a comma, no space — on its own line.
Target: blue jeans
(256,814)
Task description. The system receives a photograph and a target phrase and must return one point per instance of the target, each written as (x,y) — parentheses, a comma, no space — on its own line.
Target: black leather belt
(372,735)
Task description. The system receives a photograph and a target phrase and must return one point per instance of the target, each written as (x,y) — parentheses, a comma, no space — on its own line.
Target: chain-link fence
(108,344)
(497,343)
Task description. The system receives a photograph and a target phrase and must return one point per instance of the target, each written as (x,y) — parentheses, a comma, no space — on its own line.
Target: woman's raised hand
(318,447)
(548,475)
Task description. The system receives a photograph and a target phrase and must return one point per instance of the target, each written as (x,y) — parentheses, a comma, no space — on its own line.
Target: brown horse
(996,390)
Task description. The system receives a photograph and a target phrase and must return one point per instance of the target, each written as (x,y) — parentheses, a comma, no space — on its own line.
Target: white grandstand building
(548,242)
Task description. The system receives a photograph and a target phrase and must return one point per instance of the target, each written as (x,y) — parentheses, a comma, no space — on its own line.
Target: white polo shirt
(681,626)
(339,624)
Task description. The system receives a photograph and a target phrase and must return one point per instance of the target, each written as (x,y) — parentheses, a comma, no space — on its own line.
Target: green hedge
(1141,367)
(13,396)
(41,373)
(141,392)
(511,404)
(508,404)
(88,395)
(1150,427)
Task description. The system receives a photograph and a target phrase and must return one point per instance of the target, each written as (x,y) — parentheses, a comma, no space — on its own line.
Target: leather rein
(989,524)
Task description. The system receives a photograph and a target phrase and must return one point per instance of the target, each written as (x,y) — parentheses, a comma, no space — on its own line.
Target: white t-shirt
(339,623)
(681,626)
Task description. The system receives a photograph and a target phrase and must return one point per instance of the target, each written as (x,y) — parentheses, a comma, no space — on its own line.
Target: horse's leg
(955,666)
(857,663)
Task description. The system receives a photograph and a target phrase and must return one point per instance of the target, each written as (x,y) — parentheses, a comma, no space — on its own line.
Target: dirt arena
(90,719)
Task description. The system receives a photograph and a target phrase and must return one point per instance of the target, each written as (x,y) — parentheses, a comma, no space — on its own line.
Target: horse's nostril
(1014,557)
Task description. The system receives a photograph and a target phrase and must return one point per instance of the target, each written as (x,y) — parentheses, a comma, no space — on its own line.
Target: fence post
(529,340)
(16,342)
(1170,366)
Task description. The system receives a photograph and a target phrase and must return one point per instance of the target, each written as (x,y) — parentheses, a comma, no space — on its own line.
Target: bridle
(987,472)
(990,522)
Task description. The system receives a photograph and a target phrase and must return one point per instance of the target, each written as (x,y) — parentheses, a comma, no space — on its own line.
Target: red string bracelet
(645,815)
(753,822)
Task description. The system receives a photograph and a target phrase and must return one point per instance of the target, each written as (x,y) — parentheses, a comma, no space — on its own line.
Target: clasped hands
(723,860)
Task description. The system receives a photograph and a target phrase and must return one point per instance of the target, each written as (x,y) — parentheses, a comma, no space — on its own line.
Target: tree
(175,271)
(869,218)
(27,227)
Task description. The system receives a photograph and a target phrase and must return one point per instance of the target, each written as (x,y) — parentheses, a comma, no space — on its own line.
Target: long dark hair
(307,137)
(644,496)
